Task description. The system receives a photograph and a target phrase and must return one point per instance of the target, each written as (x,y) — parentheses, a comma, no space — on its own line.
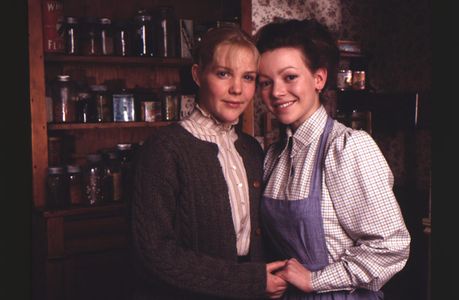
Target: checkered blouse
(365,233)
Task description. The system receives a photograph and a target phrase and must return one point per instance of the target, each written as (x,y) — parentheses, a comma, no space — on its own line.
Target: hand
(297,275)
(275,286)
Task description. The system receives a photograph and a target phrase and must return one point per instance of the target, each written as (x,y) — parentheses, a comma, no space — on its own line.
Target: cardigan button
(256,184)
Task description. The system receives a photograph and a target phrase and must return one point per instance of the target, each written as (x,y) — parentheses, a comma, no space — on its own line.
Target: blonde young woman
(195,213)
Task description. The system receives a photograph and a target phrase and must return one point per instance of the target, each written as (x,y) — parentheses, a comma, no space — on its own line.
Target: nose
(278,90)
(236,86)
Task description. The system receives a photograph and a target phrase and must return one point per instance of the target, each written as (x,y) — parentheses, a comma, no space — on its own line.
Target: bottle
(64,100)
(106,36)
(143,34)
(56,188)
(75,183)
(169,103)
(82,108)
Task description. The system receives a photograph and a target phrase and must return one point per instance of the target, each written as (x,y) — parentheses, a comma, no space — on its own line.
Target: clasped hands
(282,273)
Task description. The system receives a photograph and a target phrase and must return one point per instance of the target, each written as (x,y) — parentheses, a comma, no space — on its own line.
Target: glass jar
(122,38)
(90,41)
(143,34)
(64,100)
(113,171)
(75,182)
(93,179)
(106,36)
(170,103)
(101,104)
(82,108)
(166,38)
(56,188)
(71,35)
(125,152)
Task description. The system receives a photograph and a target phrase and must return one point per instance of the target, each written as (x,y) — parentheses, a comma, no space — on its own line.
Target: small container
(150,111)
(122,38)
(93,179)
(166,38)
(75,182)
(71,35)
(126,152)
(114,176)
(358,80)
(106,36)
(143,34)
(123,107)
(344,80)
(57,188)
(101,106)
(82,108)
(64,100)
(170,103)
(90,38)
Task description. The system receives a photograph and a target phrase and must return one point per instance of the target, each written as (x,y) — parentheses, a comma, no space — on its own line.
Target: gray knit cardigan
(183,236)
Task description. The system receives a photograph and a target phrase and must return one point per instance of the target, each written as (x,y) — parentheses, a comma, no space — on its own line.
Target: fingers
(271,267)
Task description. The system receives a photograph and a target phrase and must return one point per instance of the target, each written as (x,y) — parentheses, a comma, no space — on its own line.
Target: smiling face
(287,86)
(227,85)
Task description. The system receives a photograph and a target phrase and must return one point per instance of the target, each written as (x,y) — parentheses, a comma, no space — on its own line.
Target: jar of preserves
(170,103)
(143,34)
(75,183)
(90,40)
(71,35)
(114,177)
(93,179)
(56,188)
(122,38)
(166,38)
(106,36)
(101,104)
(64,100)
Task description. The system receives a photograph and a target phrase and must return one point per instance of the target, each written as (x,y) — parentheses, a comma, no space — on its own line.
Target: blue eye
(222,74)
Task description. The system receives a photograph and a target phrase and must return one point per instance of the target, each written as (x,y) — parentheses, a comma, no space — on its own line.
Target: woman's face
(227,85)
(287,86)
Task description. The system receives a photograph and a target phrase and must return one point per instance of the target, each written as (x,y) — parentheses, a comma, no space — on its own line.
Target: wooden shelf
(86,126)
(82,210)
(63,58)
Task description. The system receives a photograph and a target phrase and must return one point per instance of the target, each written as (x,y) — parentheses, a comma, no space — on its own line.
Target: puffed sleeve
(360,182)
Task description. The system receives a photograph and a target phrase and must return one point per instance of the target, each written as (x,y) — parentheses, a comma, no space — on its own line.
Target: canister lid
(73,169)
(56,170)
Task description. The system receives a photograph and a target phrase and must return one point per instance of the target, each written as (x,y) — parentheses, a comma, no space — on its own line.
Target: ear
(195,74)
(320,77)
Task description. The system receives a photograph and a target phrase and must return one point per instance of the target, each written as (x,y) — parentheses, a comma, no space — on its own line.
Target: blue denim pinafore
(295,228)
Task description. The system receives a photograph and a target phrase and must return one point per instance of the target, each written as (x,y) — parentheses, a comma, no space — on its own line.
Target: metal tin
(150,111)
(344,80)
(123,108)
(358,80)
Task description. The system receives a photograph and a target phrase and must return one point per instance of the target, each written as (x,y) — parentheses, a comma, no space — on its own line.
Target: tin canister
(123,108)
(150,111)
(358,80)
(344,80)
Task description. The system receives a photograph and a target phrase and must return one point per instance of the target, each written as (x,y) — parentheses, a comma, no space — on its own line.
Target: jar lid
(84,95)
(123,147)
(98,88)
(105,21)
(63,77)
(56,170)
(169,88)
(71,20)
(142,15)
(73,169)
